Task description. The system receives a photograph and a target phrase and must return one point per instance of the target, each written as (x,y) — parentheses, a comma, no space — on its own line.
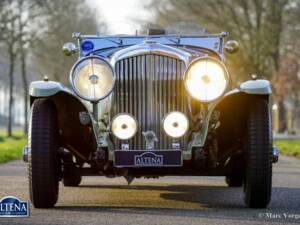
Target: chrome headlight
(175,124)
(124,126)
(92,78)
(206,79)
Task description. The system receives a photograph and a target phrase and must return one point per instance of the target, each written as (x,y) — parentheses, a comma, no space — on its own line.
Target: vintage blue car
(149,106)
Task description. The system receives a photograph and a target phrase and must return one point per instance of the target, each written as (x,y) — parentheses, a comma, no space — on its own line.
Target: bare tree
(285,80)
(255,24)
(9,37)
(28,13)
(62,19)
(42,25)
(259,25)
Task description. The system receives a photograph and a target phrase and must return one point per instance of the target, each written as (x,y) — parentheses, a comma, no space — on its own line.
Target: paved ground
(170,200)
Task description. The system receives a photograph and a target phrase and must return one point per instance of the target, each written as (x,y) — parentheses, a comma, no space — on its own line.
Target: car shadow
(208,196)
(213,202)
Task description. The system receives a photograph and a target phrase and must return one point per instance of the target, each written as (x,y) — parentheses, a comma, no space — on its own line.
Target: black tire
(72,181)
(43,162)
(258,178)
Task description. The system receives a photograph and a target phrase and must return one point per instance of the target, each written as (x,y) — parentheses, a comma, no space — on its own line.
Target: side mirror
(232,46)
(69,48)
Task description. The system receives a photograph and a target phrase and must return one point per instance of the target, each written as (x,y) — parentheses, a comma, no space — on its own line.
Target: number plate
(142,158)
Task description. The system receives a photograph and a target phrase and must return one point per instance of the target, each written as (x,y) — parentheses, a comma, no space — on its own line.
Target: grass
(11,147)
(289,147)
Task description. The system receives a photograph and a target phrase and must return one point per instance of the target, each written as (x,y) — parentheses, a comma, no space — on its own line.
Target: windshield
(115,28)
(119,28)
(185,28)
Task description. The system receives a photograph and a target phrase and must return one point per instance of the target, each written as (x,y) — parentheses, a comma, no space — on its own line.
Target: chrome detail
(46,78)
(150,139)
(148,87)
(71,79)
(25,153)
(217,62)
(94,79)
(69,49)
(103,136)
(95,110)
(232,46)
(275,154)
(254,76)
(216,35)
(150,41)
(224,34)
(84,118)
(126,114)
(152,47)
(211,42)
(76,35)
(174,125)
(175,145)
(125,146)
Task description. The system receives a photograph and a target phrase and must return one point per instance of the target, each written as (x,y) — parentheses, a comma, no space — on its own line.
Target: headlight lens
(92,78)
(175,124)
(124,126)
(206,79)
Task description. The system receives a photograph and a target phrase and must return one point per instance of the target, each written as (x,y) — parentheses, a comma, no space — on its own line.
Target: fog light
(175,124)
(124,126)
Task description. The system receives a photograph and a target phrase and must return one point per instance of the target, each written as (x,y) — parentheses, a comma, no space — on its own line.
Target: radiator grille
(149,87)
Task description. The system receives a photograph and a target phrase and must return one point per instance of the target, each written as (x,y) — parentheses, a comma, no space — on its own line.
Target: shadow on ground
(213,201)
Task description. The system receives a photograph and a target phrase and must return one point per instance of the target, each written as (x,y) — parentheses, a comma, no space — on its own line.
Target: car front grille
(148,87)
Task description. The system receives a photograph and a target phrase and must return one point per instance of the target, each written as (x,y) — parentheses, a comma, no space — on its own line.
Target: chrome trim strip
(153,48)
(221,35)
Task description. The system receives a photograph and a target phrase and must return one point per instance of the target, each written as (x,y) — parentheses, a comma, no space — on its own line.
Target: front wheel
(43,162)
(258,178)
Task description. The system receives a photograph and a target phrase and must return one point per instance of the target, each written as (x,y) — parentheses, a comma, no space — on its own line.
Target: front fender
(257,87)
(78,138)
(45,88)
(239,95)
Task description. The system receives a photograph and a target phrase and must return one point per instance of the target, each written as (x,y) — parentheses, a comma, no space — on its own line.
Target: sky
(122,16)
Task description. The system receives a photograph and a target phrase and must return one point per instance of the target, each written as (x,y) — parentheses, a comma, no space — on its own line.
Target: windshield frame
(211,42)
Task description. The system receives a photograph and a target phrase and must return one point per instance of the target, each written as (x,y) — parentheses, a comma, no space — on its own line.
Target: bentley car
(146,106)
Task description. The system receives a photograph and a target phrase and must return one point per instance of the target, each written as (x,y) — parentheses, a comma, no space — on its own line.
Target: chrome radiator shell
(149,86)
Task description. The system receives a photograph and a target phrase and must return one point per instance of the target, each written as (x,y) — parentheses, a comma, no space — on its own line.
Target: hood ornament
(150,138)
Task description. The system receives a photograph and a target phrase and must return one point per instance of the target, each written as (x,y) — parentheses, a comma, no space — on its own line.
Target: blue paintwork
(87,46)
(106,45)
